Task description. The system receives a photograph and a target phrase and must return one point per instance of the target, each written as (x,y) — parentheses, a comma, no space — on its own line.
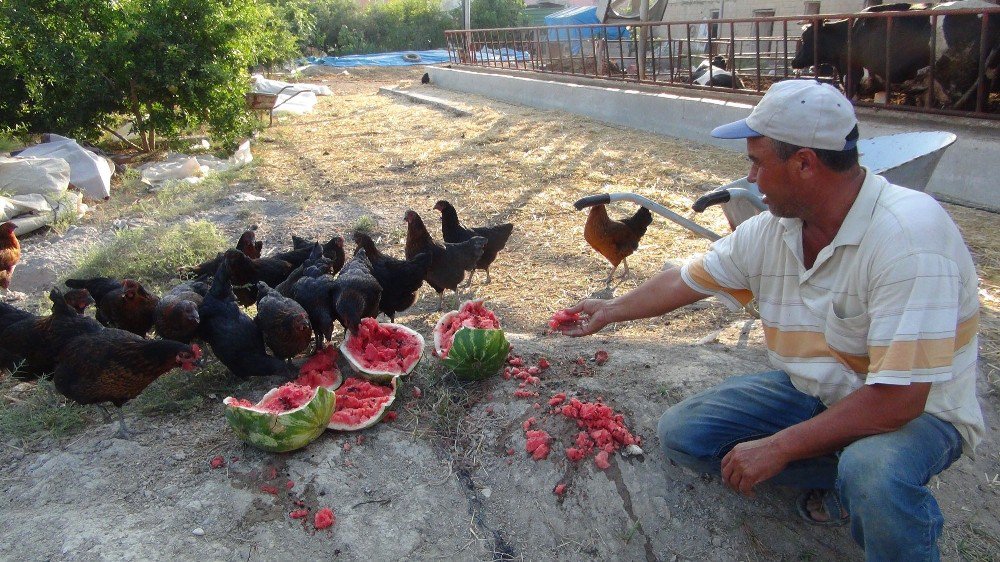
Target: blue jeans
(881,480)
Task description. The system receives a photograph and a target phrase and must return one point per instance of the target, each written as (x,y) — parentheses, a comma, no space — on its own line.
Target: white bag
(88,171)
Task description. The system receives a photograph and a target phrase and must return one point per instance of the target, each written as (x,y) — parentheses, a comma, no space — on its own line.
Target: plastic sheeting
(192,169)
(580,16)
(399,58)
(88,171)
(267,86)
(38,192)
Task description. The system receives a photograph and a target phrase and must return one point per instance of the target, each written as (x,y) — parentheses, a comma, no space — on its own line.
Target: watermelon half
(381,352)
(321,370)
(362,403)
(470,342)
(287,418)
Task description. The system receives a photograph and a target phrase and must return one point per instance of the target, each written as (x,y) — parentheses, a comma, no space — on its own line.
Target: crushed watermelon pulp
(383,348)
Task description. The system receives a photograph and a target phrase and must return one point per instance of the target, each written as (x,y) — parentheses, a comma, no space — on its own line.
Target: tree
(488,14)
(169,64)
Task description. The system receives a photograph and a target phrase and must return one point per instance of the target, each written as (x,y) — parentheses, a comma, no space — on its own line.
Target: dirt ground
(449,478)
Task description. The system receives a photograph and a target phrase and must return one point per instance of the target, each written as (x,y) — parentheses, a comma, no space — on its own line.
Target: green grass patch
(365,224)
(39,412)
(181,198)
(152,253)
(181,391)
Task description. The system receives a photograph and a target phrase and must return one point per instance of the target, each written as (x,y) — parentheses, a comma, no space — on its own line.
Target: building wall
(702,9)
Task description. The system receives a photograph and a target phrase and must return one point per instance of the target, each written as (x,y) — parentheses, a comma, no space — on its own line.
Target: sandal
(830,503)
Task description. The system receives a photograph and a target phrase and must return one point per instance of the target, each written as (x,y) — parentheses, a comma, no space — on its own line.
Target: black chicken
(314,290)
(316,264)
(302,248)
(283,323)
(400,279)
(124,303)
(248,244)
(232,335)
(246,272)
(450,261)
(357,293)
(453,231)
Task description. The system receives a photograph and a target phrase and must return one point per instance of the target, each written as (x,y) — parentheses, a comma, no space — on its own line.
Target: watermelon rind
(372,420)
(287,431)
(477,353)
(379,375)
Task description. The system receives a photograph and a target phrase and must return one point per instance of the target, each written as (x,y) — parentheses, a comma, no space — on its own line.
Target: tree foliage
(168,64)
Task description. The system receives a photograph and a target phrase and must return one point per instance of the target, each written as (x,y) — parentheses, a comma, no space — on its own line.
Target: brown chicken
(124,303)
(452,231)
(615,239)
(10,253)
(449,261)
(283,323)
(130,308)
(29,344)
(79,299)
(176,314)
(116,366)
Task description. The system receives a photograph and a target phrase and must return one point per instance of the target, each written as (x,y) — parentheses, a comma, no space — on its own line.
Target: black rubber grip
(709,199)
(591,200)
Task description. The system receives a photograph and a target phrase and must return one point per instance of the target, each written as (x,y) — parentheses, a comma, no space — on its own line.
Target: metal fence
(751,54)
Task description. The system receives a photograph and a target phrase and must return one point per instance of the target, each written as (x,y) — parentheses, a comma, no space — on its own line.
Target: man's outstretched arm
(660,294)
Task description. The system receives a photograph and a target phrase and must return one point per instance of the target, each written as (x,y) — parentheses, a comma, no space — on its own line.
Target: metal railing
(959,80)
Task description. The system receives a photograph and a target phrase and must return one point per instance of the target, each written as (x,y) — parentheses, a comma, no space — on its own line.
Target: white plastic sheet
(38,192)
(88,171)
(191,169)
(268,86)
(19,176)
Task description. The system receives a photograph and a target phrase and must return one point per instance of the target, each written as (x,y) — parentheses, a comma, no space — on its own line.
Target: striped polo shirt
(892,300)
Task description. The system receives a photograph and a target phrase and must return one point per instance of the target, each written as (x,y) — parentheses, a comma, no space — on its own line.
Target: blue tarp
(580,16)
(503,54)
(383,59)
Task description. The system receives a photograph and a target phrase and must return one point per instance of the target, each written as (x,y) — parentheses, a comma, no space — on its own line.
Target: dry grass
(512,163)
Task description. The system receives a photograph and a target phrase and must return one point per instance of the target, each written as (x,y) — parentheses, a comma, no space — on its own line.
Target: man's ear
(805,163)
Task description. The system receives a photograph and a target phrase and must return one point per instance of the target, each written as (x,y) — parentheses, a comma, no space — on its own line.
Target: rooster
(449,261)
(615,239)
(453,231)
(10,253)
(116,366)
(400,279)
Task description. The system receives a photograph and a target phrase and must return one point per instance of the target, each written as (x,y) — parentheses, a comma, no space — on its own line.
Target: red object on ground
(417,393)
(525,394)
(289,485)
(557,399)
(269,489)
(604,431)
(217,462)
(527,423)
(559,490)
(299,514)
(390,416)
(272,473)
(601,460)
(543,363)
(601,357)
(515,361)
(324,518)
(538,444)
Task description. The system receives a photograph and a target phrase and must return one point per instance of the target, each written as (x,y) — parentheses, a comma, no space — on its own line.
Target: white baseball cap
(804,113)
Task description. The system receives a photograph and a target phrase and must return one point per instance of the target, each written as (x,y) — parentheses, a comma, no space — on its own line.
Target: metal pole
(643,31)
(467,5)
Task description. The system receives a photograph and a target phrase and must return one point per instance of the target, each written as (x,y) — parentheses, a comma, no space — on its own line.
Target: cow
(719,76)
(909,45)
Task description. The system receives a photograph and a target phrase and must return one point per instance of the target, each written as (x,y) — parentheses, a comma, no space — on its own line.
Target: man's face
(774,178)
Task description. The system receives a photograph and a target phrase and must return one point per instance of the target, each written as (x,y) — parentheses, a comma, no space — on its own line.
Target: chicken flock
(299,295)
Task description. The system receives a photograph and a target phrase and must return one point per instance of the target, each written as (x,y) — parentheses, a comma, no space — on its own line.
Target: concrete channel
(965,175)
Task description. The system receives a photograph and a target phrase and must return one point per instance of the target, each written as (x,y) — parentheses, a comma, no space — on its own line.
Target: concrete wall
(969,172)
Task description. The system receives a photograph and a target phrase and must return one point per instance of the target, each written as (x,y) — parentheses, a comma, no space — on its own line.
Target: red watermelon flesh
(321,369)
(383,348)
(563,318)
(285,398)
(472,315)
(358,400)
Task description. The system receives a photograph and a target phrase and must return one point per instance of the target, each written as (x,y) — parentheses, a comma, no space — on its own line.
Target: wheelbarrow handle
(709,199)
(653,206)
(591,200)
